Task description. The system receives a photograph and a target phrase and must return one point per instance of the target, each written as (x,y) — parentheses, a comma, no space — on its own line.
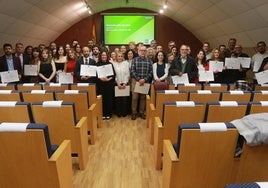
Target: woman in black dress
(105,86)
(46,68)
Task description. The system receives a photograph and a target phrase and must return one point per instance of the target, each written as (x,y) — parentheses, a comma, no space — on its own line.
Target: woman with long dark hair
(105,86)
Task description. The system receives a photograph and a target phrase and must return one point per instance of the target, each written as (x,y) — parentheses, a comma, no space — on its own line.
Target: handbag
(161,85)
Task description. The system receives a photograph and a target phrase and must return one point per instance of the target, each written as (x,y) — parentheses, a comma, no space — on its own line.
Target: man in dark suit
(184,64)
(85,60)
(9,62)
(19,52)
(24,60)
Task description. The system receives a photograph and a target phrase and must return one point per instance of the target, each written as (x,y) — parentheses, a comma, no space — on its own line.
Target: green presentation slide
(123,29)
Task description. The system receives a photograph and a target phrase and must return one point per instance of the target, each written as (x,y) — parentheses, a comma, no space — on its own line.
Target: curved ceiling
(41,21)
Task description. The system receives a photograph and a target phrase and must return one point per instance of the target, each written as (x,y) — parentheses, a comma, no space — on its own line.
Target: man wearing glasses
(141,72)
(184,64)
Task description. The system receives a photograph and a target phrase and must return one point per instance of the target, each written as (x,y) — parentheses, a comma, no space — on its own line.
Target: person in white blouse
(122,82)
(258,57)
(160,68)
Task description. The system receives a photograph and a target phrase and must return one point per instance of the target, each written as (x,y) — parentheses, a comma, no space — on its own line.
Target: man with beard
(9,62)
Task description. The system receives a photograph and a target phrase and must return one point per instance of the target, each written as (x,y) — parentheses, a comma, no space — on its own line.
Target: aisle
(122,157)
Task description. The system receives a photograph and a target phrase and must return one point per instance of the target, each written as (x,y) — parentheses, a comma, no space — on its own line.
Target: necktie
(21,60)
(86,61)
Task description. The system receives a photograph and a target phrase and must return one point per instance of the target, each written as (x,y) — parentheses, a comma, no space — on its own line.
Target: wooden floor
(122,157)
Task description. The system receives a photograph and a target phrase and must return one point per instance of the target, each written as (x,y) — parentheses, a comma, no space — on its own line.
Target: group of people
(131,65)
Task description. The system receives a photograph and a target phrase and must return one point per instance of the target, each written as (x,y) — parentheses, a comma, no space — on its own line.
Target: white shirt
(258,58)
(183,60)
(122,71)
(155,72)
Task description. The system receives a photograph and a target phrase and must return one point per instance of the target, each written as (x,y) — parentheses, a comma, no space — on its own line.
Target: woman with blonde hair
(216,56)
(70,65)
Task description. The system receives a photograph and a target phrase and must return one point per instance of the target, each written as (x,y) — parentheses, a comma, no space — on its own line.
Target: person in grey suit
(85,60)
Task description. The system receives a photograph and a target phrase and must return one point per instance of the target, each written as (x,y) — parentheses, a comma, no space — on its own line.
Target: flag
(93,32)
(102,33)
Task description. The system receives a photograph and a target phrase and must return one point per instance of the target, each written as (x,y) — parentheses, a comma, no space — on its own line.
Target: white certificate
(215,65)
(105,70)
(256,66)
(121,92)
(9,76)
(232,63)
(180,79)
(65,78)
(30,70)
(245,61)
(88,70)
(206,76)
(262,77)
(143,89)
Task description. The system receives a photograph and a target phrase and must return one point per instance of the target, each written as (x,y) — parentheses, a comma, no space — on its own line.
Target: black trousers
(121,106)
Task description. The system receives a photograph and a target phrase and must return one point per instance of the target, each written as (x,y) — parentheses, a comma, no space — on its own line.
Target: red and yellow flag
(93,33)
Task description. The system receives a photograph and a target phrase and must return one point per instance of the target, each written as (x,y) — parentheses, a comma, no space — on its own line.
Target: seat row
(29,158)
(206,95)
(215,87)
(212,86)
(79,97)
(204,156)
(248,185)
(178,112)
(89,87)
(59,116)
(155,107)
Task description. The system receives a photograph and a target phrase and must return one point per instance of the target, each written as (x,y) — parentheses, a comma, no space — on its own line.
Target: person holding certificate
(122,83)
(71,61)
(258,57)
(264,65)
(200,62)
(60,60)
(8,62)
(46,68)
(85,60)
(105,84)
(184,64)
(35,60)
(231,74)
(141,73)
(215,64)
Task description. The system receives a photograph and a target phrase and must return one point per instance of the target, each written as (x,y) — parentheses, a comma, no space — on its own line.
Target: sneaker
(133,116)
(108,117)
(103,117)
(142,116)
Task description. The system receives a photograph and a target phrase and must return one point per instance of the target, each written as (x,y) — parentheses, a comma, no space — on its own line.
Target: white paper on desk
(88,70)
(262,77)
(232,63)
(206,76)
(143,89)
(180,79)
(121,92)
(215,65)
(65,78)
(244,61)
(30,70)
(256,66)
(9,76)
(105,70)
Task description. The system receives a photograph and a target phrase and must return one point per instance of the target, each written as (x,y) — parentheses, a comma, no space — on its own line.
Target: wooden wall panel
(166,30)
